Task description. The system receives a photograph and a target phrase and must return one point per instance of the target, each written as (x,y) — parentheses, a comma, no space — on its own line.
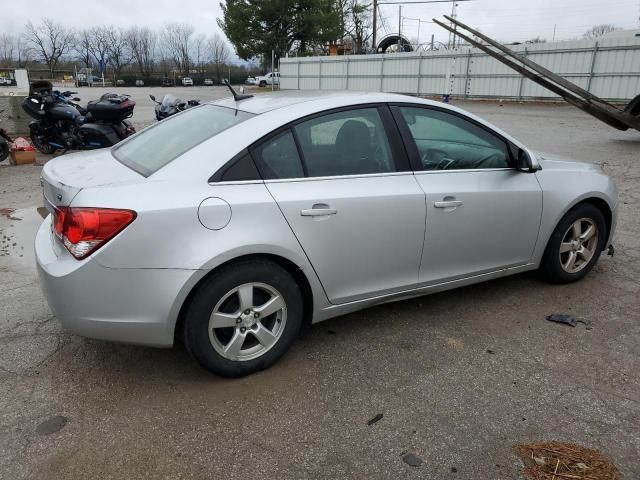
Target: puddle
(17,233)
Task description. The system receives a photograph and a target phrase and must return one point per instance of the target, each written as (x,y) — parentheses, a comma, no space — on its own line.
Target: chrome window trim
(338,177)
(236,182)
(465,170)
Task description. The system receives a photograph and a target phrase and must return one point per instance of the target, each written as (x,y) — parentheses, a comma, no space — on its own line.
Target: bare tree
(7,50)
(99,45)
(118,48)
(23,51)
(83,47)
(142,44)
(355,23)
(50,40)
(198,51)
(218,53)
(537,39)
(599,30)
(177,43)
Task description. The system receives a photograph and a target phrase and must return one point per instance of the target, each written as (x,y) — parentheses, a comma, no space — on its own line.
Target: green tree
(255,27)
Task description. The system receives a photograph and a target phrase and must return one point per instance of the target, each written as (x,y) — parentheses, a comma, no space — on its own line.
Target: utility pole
(399,28)
(375,25)
(452,36)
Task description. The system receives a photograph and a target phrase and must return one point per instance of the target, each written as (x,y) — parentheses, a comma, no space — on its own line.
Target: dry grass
(565,461)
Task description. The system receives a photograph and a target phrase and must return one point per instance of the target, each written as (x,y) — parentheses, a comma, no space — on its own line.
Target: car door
(343,183)
(482,214)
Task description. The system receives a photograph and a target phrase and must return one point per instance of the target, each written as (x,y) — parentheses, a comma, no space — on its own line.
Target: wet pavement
(439,387)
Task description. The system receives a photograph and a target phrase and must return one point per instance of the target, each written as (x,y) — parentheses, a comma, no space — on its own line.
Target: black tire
(551,267)
(4,150)
(39,141)
(633,107)
(263,83)
(215,288)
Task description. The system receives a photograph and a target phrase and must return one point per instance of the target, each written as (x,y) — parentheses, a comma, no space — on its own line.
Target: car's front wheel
(575,245)
(243,318)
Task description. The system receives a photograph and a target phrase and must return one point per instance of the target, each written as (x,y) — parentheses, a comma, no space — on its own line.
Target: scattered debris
(454,470)
(562,318)
(558,461)
(375,419)
(412,460)
(52,425)
(586,323)
(491,352)
(6,211)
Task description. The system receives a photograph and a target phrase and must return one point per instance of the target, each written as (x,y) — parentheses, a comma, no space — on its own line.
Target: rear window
(155,147)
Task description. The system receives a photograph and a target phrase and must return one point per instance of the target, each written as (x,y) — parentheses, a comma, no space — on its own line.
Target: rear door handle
(318,210)
(448,204)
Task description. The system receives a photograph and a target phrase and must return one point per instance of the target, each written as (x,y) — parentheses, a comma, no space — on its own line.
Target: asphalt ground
(459,377)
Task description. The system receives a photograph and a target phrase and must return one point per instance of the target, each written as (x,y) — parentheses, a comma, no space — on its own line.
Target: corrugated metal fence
(609,69)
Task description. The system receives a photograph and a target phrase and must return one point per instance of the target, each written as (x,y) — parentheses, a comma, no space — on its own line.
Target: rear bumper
(138,306)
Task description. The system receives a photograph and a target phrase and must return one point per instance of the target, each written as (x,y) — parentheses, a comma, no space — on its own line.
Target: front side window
(157,146)
(352,142)
(450,142)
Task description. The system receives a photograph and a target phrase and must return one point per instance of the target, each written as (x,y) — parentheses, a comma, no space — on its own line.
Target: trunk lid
(62,178)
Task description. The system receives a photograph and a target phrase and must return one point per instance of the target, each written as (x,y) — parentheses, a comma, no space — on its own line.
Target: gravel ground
(460,377)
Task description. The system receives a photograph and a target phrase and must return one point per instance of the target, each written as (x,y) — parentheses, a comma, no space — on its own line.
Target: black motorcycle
(5,141)
(62,124)
(170,105)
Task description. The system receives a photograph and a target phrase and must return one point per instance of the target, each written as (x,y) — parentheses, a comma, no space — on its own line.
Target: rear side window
(351,142)
(278,157)
(155,147)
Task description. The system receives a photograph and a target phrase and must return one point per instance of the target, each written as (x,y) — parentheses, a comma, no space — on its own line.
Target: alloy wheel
(578,245)
(247,321)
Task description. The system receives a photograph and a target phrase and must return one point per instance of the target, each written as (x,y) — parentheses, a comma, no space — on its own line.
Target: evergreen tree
(255,27)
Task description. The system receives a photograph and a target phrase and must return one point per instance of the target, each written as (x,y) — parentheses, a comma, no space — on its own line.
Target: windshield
(169,100)
(160,144)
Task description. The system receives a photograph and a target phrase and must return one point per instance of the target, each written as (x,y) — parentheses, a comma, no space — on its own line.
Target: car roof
(271,111)
(266,102)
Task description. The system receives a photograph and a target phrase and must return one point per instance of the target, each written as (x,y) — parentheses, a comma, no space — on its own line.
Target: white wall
(608,68)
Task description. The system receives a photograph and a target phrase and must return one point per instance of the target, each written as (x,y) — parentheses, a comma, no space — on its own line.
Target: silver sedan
(233,224)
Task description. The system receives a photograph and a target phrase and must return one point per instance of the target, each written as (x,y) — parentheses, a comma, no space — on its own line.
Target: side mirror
(523,161)
(152,97)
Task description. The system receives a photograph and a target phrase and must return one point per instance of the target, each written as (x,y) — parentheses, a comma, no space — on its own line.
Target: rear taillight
(84,230)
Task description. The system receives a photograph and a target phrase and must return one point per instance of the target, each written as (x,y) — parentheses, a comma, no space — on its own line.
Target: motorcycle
(170,105)
(63,124)
(5,141)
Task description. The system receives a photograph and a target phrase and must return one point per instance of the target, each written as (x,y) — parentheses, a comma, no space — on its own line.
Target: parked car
(120,83)
(187,82)
(208,81)
(268,79)
(308,207)
(139,83)
(167,82)
(88,80)
(250,81)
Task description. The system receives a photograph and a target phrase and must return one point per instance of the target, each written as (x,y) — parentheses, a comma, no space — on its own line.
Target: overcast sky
(506,20)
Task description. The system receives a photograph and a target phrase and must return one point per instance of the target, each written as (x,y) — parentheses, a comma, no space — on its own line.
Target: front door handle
(318,210)
(448,204)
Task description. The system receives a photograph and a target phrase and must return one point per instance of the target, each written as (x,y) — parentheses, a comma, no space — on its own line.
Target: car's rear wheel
(243,318)
(575,245)
(263,83)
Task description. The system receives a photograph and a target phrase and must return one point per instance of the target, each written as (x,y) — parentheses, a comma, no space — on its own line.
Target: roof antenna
(236,96)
